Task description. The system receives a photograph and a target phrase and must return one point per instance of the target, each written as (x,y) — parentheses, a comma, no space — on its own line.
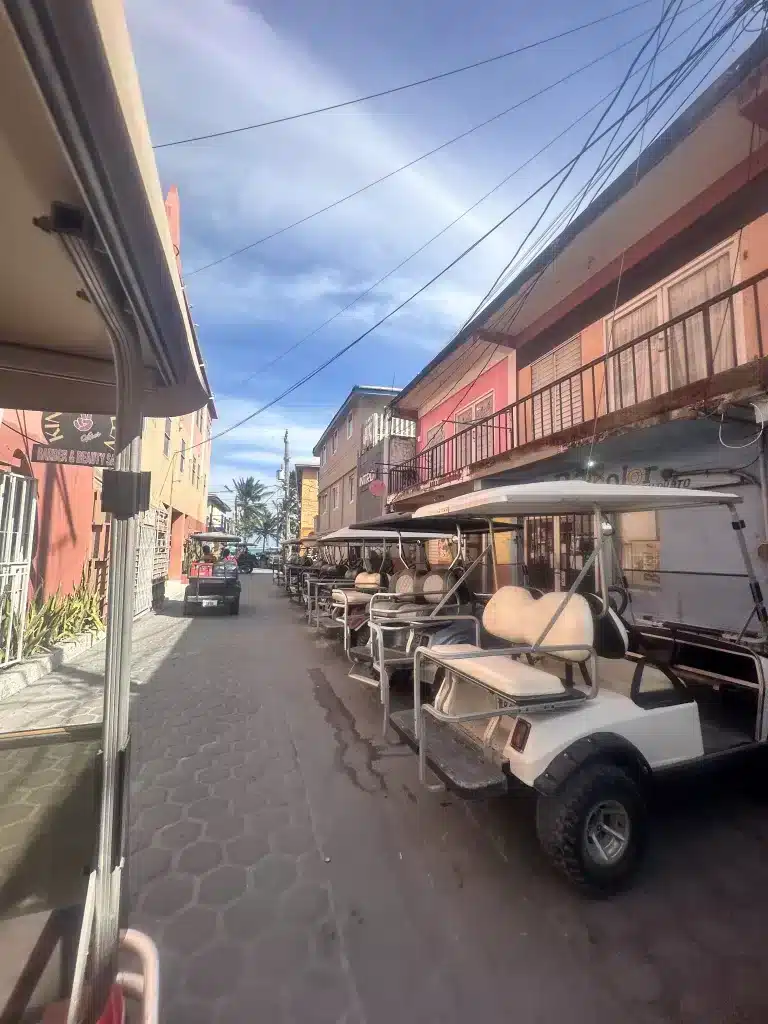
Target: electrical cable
(465,213)
(409,85)
(346,348)
(416,160)
(526,294)
(482,199)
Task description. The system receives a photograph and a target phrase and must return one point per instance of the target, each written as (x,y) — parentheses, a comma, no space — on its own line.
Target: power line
(692,56)
(416,160)
(409,85)
(465,213)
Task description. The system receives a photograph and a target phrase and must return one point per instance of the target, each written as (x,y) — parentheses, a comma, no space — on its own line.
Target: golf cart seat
(366,585)
(498,672)
(352,597)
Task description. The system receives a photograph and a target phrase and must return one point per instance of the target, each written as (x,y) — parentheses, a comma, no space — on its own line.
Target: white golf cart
(586,709)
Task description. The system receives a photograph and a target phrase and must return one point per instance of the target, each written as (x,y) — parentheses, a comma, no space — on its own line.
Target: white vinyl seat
(499,672)
(353,597)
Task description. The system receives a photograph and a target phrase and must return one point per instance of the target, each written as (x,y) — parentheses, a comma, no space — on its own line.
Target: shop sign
(77,439)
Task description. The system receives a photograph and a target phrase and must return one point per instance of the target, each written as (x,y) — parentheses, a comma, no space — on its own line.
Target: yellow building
(307,487)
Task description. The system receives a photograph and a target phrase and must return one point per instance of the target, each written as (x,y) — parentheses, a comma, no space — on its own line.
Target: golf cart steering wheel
(618,598)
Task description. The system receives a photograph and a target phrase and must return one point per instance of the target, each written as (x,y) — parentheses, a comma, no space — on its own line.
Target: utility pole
(286,487)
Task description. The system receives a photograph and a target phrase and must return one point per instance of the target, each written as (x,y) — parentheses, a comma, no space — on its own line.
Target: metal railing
(709,339)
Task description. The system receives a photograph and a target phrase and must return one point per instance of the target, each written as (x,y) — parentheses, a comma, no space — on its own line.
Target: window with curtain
(714,326)
(636,373)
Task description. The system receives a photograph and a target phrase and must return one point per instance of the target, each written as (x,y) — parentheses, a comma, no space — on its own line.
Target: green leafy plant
(62,617)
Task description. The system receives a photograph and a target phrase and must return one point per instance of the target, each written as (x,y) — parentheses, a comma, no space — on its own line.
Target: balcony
(712,349)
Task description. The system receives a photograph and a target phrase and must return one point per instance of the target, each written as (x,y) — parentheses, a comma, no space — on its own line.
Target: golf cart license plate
(209,604)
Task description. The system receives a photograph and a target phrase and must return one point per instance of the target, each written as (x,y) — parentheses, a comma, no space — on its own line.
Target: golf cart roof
(404,521)
(216,538)
(304,541)
(562,497)
(354,533)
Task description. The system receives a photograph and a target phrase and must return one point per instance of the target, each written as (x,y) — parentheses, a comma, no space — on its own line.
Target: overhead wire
(482,199)
(665,14)
(412,163)
(346,348)
(409,85)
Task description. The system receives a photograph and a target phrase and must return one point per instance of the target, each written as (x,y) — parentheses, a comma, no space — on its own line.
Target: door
(145,562)
(475,444)
(556,377)
(577,542)
(709,337)
(540,551)
(638,372)
(18,512)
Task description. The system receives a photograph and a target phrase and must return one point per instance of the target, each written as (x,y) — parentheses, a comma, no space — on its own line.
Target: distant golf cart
(213,584)
(586,708)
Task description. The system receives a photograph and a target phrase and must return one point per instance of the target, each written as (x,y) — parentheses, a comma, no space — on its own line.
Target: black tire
(618,598)
(186,608)
(234,608)
(563,818)
(247,569)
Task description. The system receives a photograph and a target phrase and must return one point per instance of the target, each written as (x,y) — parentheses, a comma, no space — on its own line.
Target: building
(638,355)
(386,440)
(307,479)
(219,514)
(338,450)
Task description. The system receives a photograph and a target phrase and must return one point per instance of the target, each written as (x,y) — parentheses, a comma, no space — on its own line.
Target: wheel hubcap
(607,832)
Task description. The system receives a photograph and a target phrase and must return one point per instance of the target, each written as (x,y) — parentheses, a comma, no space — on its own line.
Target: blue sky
(207,65)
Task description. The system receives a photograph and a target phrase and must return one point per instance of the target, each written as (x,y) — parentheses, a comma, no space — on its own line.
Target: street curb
(25,673)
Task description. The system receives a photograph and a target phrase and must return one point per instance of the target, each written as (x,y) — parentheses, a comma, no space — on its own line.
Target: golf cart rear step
(454,760)
(327,622)
(392,656)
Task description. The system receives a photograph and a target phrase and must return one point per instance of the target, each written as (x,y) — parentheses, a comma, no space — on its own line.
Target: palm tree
(251,501)
(267,528)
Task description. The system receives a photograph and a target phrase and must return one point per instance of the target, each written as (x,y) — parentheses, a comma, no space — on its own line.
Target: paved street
(290,868)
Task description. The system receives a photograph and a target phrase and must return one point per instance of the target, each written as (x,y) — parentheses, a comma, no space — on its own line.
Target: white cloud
(212,64)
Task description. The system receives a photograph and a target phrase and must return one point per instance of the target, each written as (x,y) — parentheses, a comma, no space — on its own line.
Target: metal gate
(18,509)
(556,548)
(145,562)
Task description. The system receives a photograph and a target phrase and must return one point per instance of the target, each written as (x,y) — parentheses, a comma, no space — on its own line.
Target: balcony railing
(707,340)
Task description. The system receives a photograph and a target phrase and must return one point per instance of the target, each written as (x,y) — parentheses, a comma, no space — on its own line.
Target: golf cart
(213,584)
(427,607)
(586,708)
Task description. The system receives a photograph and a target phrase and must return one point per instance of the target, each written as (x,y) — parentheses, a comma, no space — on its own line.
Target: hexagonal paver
(215,972)
(190,791)
(167,895)
(305,903)
(149,863)
(148,796)
(200,857)
(274,873)
(249,916)
(222,885)
(279,954)
(327,991)
(213,774)
(174,837)
(231,789)
(192,930)
(209,807)
(225,826)
(294,839)
(155,818)
(247,850)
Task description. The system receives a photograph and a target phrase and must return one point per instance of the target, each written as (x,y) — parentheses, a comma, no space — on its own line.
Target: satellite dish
(377,488)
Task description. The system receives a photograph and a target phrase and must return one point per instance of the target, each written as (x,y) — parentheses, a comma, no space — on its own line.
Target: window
(167,440)
(183,455)
(434,458)
(351,487)
(324,454)
(558,406)
(194,471)
(335,496)
(334,442)
(475,444)
(323,503)
(640,548)
(350,425)
(688,351)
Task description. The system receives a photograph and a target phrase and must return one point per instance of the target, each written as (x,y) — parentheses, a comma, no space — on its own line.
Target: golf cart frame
(213,584)
(583,708)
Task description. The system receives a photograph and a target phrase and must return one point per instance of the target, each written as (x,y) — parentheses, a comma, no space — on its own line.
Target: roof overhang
(87,266)
(567,497)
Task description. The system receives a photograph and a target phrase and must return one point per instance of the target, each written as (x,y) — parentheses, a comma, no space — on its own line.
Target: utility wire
(665,14)
(409,85)
(470,209)
(346,348)
(416,160)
